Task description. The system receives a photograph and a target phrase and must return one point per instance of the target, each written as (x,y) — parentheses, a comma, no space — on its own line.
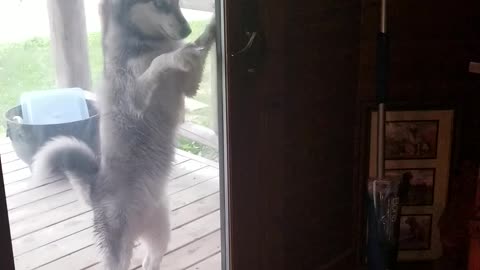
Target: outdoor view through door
(140,168)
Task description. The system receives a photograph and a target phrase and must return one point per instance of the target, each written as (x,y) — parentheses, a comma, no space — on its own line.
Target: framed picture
(420,182)
(418,146)
(415,232)
(411,140)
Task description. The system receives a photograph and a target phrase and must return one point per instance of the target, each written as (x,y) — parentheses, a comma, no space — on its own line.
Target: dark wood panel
(254,134)
(291,136)
(434,19)
(322,76)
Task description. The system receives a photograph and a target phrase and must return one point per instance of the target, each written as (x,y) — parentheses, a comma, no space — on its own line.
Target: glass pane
(110,141)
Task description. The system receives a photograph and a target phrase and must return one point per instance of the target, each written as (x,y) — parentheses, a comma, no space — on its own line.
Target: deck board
(41,206)
(13,165)
(27,185)
(6,148)
(52,233)
(181,237)
(47,219)
(15,176)
(4,140)
(36,194)
(6,158)
(52,229)
(212,263)
(66,227)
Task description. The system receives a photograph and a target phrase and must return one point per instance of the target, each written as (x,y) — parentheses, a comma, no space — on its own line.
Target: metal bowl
(27,139)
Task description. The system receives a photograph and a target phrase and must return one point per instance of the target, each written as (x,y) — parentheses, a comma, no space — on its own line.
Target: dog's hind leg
(116,242)
(117,253)
(155,237)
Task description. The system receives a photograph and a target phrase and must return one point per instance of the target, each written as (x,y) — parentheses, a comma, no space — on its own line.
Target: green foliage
(27,66)
(197,149)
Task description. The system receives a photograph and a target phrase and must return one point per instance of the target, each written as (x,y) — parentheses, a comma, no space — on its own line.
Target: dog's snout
(185,31)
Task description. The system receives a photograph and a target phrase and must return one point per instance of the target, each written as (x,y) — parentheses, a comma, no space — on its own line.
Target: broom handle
(382,72)
(383,17)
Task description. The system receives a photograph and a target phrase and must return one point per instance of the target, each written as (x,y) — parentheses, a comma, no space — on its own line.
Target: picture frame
(415,232)
(411,139)
(421,184)
(418,149)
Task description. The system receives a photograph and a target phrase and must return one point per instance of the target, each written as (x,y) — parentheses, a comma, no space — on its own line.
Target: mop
(383,194)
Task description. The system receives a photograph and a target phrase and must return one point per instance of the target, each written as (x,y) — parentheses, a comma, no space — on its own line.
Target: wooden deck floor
(51,229)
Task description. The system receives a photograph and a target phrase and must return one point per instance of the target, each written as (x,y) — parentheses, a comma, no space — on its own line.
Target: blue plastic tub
(56,106)
(28,138)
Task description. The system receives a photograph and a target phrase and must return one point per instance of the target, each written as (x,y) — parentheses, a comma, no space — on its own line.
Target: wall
(432,43)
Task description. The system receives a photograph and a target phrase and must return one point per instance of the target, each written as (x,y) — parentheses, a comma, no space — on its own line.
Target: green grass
(23,67)
(28,66)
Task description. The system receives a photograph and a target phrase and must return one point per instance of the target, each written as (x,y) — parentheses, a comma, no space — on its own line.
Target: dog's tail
(66,157)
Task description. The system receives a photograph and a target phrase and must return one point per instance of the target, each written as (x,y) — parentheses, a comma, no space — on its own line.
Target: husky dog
(147,73)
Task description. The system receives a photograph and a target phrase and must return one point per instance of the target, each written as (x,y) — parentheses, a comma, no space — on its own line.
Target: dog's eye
(162,5)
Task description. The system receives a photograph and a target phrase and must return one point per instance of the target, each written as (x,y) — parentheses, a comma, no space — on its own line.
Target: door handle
(249,44)
(252,52)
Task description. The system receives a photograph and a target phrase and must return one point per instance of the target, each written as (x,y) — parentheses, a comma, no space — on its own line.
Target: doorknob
(251,39)
(252,52)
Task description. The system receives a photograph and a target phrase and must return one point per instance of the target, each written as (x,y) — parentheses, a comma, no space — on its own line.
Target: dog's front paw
(188,58)
(208,36)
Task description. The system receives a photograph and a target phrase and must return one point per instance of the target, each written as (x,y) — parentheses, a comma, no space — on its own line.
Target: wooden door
(290,130)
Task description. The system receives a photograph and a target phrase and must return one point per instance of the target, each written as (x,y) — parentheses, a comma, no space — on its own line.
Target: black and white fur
(147,73)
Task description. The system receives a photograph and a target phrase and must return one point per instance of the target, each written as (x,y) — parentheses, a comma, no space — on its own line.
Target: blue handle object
(382,252)
(53,106)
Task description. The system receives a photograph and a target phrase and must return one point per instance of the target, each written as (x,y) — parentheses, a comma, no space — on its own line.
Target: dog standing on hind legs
(147,73)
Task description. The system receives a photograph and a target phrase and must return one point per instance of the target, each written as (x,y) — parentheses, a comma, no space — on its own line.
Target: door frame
(6,256)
